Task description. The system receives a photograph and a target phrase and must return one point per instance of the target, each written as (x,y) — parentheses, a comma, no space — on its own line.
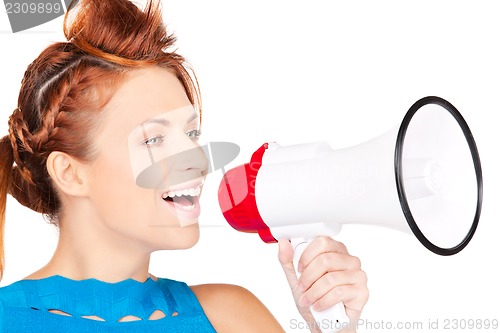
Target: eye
(154,141)
(194,134)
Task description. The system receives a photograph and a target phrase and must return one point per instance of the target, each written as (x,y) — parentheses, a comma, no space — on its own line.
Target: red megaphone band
(237,197)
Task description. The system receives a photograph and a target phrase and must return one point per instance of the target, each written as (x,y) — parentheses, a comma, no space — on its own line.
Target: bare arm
(232,308)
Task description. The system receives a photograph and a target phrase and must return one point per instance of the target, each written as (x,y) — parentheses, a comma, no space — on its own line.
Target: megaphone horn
(423,176)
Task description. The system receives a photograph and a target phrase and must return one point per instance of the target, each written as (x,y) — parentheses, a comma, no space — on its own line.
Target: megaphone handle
(330,320)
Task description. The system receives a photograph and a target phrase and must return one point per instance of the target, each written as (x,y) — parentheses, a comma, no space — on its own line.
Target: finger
(331,286)
(324,264)
(355,303)
(354,297)
(318,246)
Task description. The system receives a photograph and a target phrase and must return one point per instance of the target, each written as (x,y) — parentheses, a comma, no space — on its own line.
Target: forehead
(145,94)
(185,115)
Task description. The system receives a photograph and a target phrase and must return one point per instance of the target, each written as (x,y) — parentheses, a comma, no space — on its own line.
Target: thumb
(285,256)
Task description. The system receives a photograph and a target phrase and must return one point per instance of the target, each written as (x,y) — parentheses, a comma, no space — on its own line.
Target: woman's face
(144,186)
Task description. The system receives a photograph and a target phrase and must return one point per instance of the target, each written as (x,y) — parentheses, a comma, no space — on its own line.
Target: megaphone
(422,177)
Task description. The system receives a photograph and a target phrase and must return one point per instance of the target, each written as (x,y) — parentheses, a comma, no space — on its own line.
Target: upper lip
(186,185)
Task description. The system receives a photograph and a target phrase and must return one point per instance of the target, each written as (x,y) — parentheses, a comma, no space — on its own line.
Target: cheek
(113,189)
(135,212)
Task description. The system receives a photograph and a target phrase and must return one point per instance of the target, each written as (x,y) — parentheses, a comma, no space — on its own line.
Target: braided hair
(66,87)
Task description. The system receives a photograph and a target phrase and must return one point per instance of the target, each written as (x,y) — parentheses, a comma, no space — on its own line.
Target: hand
(329,275)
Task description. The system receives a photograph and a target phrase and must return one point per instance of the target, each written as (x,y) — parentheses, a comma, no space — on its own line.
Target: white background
(302,71)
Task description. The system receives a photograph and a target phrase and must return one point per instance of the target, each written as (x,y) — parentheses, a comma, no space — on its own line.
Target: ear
(67,173)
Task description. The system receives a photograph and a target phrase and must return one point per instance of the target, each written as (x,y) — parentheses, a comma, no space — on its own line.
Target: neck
(88,250)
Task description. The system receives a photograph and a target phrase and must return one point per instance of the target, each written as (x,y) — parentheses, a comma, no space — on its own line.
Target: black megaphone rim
(400,181)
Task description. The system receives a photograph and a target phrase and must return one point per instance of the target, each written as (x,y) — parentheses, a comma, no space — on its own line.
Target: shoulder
(232,308)
(12,293)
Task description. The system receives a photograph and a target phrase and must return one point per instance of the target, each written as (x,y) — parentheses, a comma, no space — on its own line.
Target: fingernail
(303,301)
(317,306)
(300,287)
(300,267)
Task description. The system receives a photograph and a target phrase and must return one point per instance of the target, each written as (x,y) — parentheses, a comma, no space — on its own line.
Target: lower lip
(186,215)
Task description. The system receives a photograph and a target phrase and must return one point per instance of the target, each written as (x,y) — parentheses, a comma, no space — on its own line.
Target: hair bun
(118,30)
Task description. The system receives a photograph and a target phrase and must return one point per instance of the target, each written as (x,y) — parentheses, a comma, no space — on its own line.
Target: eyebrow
(165,122)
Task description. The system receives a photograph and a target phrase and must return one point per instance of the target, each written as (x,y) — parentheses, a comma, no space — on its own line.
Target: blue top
(25,305)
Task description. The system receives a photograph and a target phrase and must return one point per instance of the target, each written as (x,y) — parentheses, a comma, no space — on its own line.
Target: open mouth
(185,199)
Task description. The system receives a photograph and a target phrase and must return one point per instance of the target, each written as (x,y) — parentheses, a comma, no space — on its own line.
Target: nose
(186,161)
(189,156)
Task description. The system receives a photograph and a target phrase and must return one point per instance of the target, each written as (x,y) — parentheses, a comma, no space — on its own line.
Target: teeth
(193,192)
(188,208)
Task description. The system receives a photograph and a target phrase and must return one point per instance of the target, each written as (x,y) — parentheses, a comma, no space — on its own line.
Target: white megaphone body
(422,177)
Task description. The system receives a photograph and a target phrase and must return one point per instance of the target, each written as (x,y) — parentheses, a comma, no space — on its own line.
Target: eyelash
(194,134)
(158,139)
(154,141)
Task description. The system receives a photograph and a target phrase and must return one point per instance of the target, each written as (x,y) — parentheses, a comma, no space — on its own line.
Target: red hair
(65,88)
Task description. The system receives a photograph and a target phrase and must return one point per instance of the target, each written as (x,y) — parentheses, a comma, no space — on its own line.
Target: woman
(94,116)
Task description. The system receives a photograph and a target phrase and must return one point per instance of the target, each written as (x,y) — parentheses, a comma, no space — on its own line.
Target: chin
(181,239)
(190,240)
